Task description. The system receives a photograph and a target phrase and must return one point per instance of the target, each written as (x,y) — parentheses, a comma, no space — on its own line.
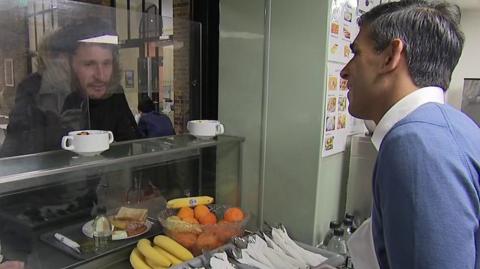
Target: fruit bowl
(196,236)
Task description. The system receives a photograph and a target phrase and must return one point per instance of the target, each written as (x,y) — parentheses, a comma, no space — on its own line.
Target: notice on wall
(342,31)
(336,114)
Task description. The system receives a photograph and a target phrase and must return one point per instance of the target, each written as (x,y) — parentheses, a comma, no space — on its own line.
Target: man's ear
(393,55)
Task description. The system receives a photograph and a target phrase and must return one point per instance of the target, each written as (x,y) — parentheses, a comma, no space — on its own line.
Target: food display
(347,16)
(334,48)
(131,220)
(343,84)
(329,143)
(334,28)
(203,227)
(332,83)
(346,51)
(127,223)
(346,32)
(164,253)
(342,103)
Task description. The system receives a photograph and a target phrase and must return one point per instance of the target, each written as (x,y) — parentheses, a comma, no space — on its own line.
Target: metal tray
(74,232)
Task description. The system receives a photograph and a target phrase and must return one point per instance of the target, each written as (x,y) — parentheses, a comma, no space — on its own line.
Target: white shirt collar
(403,107)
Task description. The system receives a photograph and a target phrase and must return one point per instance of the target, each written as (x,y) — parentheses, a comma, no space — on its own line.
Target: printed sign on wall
(343,29)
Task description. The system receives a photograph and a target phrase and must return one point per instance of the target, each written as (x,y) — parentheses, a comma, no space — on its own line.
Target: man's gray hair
(431,34)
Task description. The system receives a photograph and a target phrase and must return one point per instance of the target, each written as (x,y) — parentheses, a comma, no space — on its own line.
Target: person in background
(77,87)
(151,122)
(426,185)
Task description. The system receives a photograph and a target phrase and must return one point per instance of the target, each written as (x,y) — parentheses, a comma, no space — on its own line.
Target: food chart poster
(343,29)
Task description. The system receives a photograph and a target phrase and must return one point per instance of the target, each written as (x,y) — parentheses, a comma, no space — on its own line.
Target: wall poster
(129,79)
(342,31)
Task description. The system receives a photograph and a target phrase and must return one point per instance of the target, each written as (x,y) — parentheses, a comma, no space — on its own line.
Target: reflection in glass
(68,77)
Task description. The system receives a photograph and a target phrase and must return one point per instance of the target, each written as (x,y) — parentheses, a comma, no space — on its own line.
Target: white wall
(468,66)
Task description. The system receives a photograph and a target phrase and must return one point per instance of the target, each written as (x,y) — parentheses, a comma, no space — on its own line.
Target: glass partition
(68,66)
(60,192)
(74,66)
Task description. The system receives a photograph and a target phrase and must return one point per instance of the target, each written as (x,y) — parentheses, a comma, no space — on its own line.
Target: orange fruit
(200,211)
(191,220)
(185,239)
(208,218)
(225,232)
(233,214)
(207,241)
(223,222)
(185,212)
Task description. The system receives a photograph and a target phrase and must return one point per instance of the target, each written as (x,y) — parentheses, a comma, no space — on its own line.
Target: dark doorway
(207,13)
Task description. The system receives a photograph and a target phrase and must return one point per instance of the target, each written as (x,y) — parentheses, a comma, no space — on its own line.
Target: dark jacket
(155,124)
(33,129)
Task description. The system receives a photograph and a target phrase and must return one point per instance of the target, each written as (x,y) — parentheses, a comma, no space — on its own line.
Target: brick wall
(181,64)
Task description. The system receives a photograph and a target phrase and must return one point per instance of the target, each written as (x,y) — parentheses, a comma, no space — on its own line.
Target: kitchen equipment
(359,185)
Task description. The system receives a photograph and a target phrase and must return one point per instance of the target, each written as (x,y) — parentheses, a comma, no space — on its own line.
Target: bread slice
(132,214)
(128,215)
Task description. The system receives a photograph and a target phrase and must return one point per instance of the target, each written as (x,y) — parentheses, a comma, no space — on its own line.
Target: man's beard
(76,86)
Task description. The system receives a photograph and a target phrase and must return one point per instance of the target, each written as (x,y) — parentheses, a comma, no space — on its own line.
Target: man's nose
(100,73)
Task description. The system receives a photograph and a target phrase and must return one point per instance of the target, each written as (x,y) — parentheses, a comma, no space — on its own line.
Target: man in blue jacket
(426,179)
(153,123)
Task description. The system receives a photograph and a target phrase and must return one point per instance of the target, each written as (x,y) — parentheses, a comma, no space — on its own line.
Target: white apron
(361,249)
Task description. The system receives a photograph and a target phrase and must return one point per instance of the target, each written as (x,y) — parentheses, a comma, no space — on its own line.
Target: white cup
(87,142)
(205,129)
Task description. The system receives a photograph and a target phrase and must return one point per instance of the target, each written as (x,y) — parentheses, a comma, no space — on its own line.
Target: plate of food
(127,223)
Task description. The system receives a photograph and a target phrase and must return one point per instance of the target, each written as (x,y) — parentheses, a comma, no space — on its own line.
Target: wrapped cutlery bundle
(273,251)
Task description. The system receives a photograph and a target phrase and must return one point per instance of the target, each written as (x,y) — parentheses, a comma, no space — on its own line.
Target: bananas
(136,260)
(145,247)
(172,247)
(165,253)
(169,256)
(189,201)
(153,265)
